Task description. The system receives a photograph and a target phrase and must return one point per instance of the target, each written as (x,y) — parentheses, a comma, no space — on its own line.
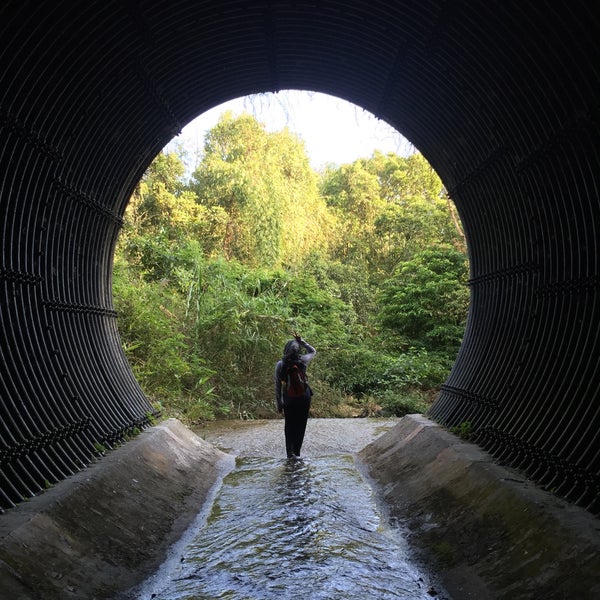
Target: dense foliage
(214,272)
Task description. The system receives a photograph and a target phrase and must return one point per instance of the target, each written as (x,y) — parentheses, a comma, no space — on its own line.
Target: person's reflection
(296,496)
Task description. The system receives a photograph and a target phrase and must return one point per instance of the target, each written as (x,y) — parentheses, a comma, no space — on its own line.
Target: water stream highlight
(284,529)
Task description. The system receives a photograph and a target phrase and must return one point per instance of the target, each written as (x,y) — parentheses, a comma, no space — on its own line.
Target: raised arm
(310,351)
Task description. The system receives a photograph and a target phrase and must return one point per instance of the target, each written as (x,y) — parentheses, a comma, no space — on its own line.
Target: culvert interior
(501,98)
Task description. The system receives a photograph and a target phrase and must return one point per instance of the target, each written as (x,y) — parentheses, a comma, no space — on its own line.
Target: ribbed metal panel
(501,97)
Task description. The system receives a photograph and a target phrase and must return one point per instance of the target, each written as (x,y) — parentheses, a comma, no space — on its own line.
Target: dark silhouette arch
(501,98)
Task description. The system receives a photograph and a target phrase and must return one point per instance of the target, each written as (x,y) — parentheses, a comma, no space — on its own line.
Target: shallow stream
(310,528)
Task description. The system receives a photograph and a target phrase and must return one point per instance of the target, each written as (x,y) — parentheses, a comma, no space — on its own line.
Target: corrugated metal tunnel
(500,97)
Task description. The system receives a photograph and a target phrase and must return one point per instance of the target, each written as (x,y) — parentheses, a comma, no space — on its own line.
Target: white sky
(333,130)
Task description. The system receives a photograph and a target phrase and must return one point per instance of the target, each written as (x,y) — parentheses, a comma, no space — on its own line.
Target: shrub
(406,402)
(417,368)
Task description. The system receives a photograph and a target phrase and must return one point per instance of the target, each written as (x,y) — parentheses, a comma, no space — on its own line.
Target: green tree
(426,300)
(265,184)
(388,208)
(163,218)
(353,194)
(417,212)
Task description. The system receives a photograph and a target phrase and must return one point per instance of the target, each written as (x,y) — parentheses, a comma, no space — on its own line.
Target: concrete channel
(485,530)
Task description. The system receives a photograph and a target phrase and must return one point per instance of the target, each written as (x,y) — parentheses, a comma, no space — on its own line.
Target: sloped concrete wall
(489,532)
(105,529)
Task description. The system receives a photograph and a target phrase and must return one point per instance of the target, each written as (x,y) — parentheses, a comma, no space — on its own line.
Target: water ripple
(282,529)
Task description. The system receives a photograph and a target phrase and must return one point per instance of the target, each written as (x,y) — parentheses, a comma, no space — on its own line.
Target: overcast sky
(333,130)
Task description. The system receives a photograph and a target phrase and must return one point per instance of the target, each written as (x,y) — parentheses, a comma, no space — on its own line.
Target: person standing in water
(292,392)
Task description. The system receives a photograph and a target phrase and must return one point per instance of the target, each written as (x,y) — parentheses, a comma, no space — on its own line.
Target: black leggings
(296,414)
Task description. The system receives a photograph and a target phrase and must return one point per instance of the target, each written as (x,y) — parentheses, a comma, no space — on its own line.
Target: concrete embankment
(487,531)
(99,532)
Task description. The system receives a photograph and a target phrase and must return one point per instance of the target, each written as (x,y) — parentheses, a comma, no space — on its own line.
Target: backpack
(295,380)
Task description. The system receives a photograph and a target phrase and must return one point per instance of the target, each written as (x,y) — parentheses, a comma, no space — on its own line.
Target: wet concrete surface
(278,528)
(103,529)
(489,532)
(486,530)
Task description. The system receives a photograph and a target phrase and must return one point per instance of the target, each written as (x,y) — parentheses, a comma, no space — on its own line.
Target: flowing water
(279,529)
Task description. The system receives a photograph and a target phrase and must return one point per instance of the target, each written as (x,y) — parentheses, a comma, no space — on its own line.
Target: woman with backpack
(292,392)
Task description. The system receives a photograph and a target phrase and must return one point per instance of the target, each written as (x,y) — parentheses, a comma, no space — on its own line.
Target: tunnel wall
(501,98)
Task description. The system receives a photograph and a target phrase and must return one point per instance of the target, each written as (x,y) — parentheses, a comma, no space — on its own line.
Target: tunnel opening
(501,100)
(340,244)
